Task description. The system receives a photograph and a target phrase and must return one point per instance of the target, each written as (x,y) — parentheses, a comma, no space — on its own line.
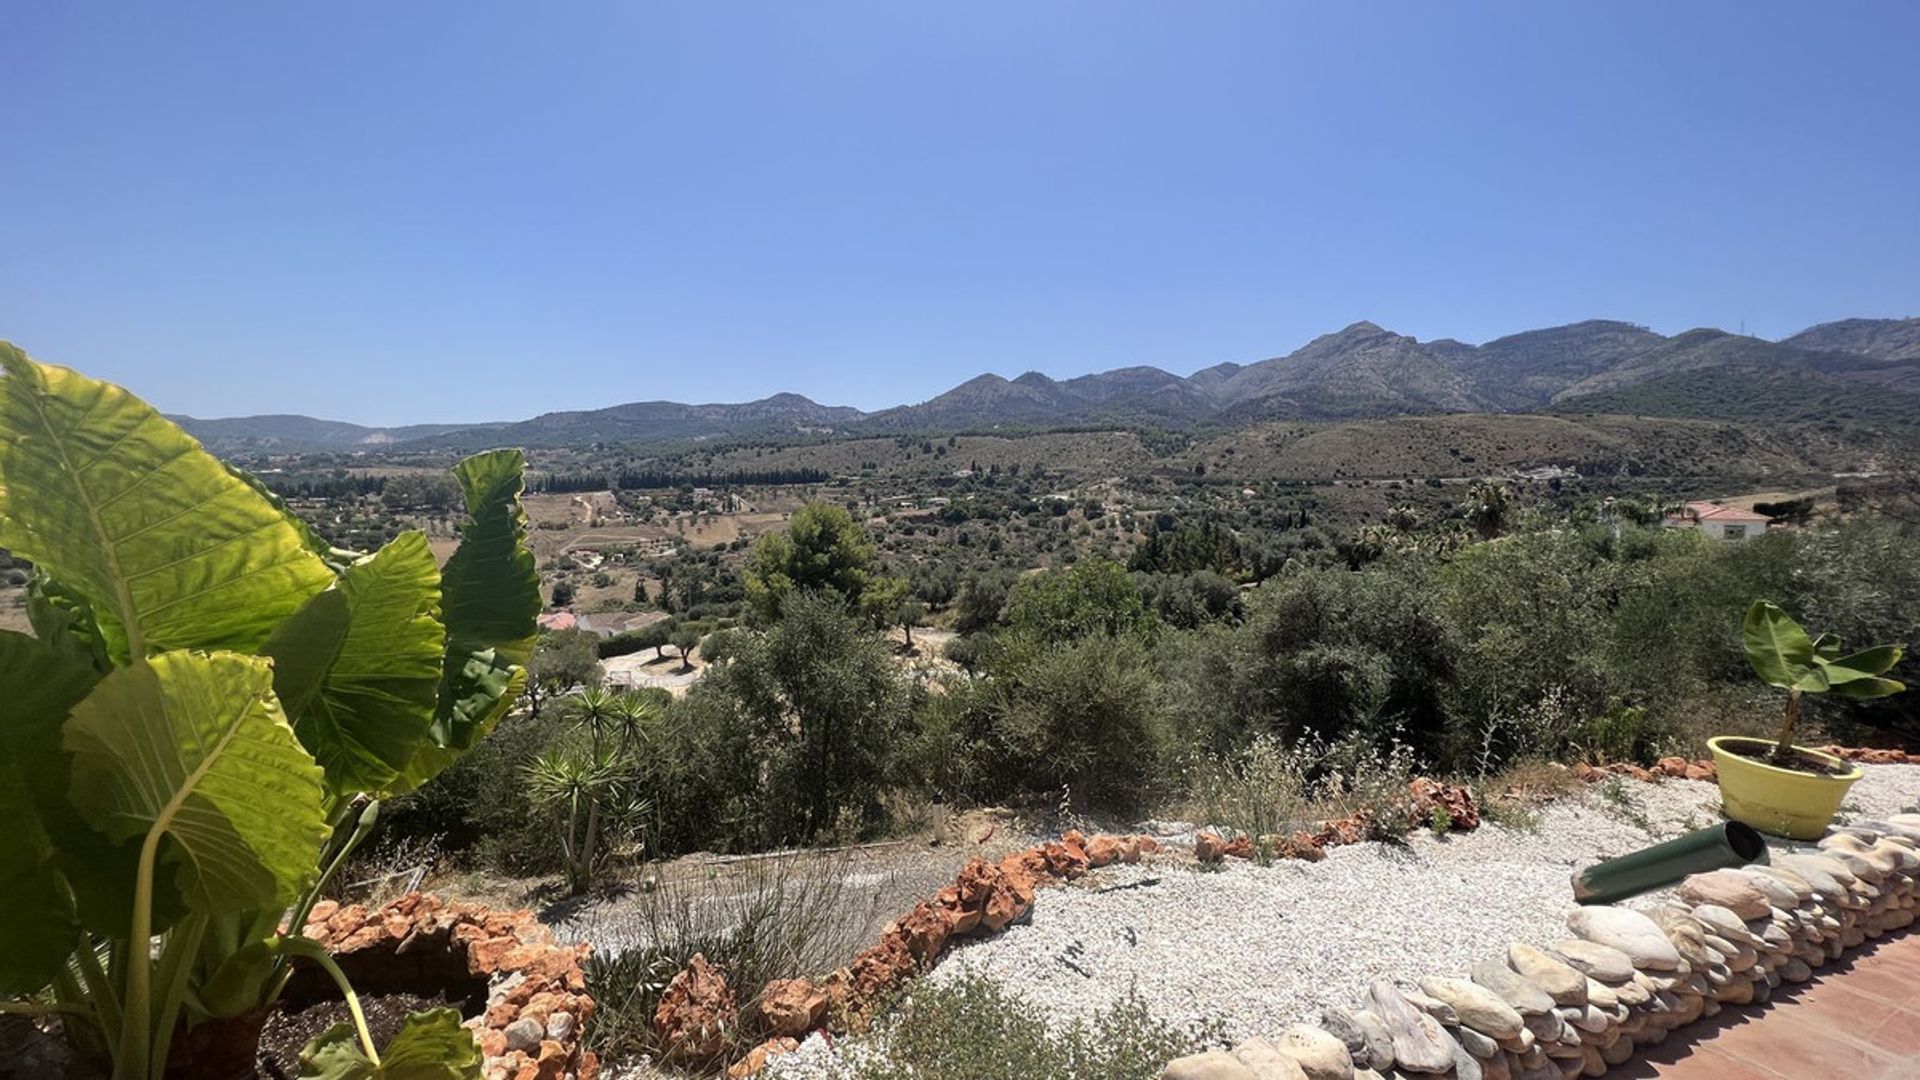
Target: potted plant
(203,723)
(1775,786)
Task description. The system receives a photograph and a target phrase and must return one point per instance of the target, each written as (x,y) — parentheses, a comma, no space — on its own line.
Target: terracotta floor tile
(1859,1020)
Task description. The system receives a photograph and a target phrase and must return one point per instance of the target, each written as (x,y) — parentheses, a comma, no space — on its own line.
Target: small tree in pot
(1776,786)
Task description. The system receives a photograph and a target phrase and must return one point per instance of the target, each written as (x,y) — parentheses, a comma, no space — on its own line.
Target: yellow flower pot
(1783,802)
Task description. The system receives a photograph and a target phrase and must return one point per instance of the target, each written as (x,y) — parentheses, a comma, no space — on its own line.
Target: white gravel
(1264,947)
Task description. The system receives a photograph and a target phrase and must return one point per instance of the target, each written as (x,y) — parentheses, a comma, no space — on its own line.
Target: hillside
(1363,371)
(642,421)
(288,432)
(1480,445)
(1881,339)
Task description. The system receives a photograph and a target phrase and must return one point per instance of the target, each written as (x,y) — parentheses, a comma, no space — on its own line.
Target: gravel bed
(1263,947)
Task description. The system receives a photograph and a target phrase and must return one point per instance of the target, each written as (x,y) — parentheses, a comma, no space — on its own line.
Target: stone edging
(1624,979)
(537,1006)
(699,1011)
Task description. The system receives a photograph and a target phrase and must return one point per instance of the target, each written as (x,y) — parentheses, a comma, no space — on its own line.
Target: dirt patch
(1761,751)
(290,1028)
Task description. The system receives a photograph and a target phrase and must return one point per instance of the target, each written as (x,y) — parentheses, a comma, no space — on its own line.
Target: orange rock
(1148,845)
(697,1012)
(927,928)
(1301,845)
(1672,766)
(1104,851)
(493,1041)
(1702,770)
(484,957)
(1240,847)
(1064,860)
(791,1007)
(1457,801)
(1208,847)
(1011,900)
(756,1060)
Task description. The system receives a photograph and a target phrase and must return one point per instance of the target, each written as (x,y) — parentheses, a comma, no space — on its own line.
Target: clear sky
(392,212)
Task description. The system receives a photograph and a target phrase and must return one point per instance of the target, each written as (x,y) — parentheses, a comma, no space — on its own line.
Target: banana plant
(203,723)
(1785,656)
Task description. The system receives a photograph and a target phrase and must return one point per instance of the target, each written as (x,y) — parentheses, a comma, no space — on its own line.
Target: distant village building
(1719,522)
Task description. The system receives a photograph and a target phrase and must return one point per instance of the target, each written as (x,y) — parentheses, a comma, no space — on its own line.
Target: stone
(1685,934)
(1321,1056)
(1727,888)
(1802,889)
(1212,1065)
(1465,1065)
(1515,989)
(697,1012)
(1432,1006)
(525,1034)
(1267,1062)
(1602,962)
(1602,995)
(1476,1006)
(791,1007)
(560,1026)
(1420,1044)
(1628,932)
(1828,876)
(1562,983)
(1379,1040)
(1478,1045)
(1779,893)
(1723,923)
(1209,848)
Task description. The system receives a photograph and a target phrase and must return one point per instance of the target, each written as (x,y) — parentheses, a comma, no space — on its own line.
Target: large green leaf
(359,668)
(429,1046)
(1781,653)
(490,599)
(115,501)
(1864,664)
(193,747)
(38,922)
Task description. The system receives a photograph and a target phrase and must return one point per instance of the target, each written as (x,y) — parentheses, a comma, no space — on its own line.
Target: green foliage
(430,1045)
(1094,596)
(972,1028)
(823,549)
(1256,792)
(824,700)
(563,660)
(1785,657)
(212,701)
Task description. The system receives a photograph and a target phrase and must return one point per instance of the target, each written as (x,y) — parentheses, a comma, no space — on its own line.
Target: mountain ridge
(1360,371)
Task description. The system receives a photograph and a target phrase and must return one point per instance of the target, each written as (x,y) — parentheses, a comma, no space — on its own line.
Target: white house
(1719,522)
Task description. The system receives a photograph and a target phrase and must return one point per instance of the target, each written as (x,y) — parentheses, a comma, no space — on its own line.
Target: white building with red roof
(1720,522)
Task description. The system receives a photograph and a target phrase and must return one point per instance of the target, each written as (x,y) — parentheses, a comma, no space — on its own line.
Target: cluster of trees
(1563,638)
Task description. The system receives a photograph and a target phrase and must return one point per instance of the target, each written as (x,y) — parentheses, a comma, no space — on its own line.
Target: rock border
(1622,980)
(698,1009)
(534,1024)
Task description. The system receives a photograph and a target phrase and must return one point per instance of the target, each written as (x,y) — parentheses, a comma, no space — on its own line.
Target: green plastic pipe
(1727,844)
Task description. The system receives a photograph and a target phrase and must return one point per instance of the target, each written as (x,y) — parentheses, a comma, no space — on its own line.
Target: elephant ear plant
(201,728)
(1783,655)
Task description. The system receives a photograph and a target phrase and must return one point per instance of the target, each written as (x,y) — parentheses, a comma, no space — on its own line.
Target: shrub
(759,920)
(971,1028)
(1258,792)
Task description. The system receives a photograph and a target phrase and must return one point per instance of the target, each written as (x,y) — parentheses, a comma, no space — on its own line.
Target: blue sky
(419,211)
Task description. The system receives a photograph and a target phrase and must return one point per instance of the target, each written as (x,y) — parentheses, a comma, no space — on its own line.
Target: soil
(1761,751)
(288,1029)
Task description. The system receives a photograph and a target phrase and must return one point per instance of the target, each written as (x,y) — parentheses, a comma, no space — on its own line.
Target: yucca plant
(586,779)
(201,726)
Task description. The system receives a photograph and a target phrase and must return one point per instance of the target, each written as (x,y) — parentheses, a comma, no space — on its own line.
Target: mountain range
(1866,367)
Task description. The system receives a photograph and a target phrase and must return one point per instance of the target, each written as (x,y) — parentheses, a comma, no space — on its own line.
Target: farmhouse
(1719,522)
